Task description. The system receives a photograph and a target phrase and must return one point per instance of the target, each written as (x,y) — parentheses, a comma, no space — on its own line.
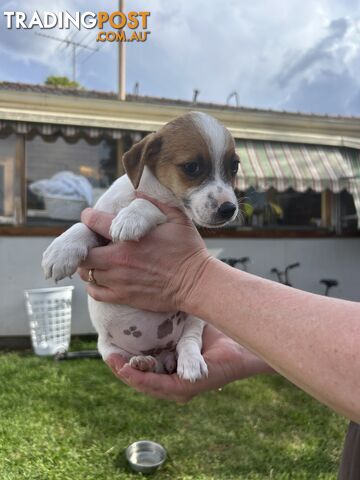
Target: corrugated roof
(83,93)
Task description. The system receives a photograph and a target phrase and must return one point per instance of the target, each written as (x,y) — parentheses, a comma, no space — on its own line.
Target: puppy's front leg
(191,364)
(136,220)
(62,258)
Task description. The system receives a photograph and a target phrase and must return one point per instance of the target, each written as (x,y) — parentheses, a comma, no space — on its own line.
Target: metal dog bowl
(145,456)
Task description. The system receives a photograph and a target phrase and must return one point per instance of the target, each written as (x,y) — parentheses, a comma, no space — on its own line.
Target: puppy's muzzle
(226,210)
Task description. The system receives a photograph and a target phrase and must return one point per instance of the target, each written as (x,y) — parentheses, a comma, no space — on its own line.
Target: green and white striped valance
(301,167)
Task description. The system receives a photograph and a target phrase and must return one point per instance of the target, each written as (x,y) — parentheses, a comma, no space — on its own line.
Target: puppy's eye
(234,166)
(192,169)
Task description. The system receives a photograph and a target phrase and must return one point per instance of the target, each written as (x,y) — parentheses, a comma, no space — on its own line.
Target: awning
(282,165)
(67,131)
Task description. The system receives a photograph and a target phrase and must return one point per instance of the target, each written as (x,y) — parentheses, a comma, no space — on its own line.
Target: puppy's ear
(139,155)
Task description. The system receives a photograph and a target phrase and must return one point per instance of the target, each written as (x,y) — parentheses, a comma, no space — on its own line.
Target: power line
(74,45)
(90,55)
(83,41)
(86,36)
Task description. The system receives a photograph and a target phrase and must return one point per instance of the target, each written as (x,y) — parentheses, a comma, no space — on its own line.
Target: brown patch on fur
(133,330)
(165,328)
(226,173)
(156,351)
(140,154)
(152,351)
(182,143)
(167,150)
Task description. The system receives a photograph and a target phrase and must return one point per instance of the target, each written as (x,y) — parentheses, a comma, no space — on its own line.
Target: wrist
(246,364)
(202,278)
(254,365)
(193,275)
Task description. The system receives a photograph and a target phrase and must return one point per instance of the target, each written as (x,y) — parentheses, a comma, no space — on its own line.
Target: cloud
(27,48)
(328,92)
(322,52)
(324,78)
(276,54)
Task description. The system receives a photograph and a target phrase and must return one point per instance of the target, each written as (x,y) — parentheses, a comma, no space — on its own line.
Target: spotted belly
(146,333)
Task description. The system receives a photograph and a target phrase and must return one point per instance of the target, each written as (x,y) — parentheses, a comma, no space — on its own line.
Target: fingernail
(84,214)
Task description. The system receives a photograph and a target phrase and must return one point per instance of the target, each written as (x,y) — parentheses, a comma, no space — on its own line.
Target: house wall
(20,259)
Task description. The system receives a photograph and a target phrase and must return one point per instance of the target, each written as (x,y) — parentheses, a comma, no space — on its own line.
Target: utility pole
(122,62)
(74,46)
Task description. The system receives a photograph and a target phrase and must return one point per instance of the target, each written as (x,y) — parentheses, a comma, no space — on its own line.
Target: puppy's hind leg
(191,364)
(106,348)
(146,363)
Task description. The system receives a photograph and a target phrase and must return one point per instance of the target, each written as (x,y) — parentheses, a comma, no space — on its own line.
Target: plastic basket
(49,312)
(64,208)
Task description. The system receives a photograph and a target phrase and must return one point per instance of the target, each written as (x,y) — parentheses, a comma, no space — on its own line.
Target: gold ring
(91,278)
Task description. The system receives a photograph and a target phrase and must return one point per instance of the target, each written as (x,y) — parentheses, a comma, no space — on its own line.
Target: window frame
(18,226)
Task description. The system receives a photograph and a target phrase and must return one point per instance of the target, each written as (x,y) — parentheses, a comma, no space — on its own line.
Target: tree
(61,82)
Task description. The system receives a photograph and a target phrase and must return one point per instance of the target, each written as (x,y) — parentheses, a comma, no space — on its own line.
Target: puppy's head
(194,157)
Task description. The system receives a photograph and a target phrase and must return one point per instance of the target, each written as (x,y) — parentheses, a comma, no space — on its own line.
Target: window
(95,163)
(349,219)
(291,210)
(7,179)
(282,209)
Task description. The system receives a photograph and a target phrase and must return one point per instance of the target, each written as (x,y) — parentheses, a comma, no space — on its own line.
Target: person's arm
(310,339)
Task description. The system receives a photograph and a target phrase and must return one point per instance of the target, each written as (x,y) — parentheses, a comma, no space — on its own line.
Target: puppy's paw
(191,367)
(130,225)
(144,363)
(61,260)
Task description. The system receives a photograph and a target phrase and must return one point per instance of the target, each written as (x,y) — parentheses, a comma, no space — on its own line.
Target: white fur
(62,258)
(191,364)
(203,209)
(134,219)
(215,136)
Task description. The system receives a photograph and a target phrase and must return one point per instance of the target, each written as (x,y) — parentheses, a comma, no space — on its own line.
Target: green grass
(72,420)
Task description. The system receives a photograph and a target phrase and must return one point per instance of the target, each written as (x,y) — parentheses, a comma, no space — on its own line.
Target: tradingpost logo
(136,22)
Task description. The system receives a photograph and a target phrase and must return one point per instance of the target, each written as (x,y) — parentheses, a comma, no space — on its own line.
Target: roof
(95,94)
(57,107)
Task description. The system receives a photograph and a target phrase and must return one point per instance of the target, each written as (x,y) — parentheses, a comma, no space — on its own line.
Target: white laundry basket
(49,312)
(64,208)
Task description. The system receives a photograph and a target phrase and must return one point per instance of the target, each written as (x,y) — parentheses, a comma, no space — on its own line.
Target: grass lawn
(72,420)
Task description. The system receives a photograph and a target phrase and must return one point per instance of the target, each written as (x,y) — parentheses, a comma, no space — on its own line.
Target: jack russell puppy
(189,163)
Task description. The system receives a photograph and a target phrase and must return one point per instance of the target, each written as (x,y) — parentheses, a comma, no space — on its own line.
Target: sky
(293,55)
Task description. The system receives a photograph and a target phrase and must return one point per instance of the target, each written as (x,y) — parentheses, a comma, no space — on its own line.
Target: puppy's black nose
(226,210)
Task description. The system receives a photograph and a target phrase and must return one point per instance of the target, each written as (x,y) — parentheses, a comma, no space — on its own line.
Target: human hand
(226,360)
(156,273)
